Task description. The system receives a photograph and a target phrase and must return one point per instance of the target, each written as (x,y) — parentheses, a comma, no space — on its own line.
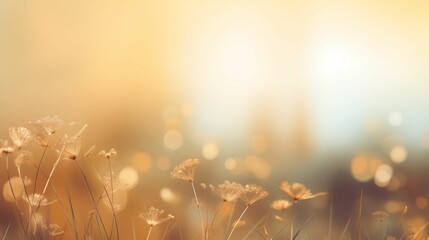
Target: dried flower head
(281,204)
(153,216)
(71,147)
(20,136)
(185,170)
(111,154)
(41,136)
(380,215)
(298,191)
(51,124)
(5,148)
(37,200)
(23,157)
(203,186)
(252,193)
(228,191)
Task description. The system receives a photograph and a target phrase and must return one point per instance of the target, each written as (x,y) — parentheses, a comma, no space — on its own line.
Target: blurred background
(332,94)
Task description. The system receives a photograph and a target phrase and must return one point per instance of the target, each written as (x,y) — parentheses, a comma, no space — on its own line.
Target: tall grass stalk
(235,225)
(14,197)
(199,210)
(92,197)
(40,163)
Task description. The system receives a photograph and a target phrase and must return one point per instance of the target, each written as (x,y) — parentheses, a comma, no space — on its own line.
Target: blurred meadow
(330,94)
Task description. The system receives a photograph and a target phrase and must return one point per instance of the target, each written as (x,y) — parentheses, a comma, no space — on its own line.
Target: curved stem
(14,197)
(235,225)
(148,234)
(40,163)
(52,171)
(199,209)
(92,197)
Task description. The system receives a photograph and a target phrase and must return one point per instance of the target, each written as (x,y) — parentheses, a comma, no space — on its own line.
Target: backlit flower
(153,216)
(185,170)
(298,191)
(20,136)
(228,191)
(252,193)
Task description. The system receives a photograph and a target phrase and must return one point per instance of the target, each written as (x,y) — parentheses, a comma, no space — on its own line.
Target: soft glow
(421,203)
(18,189)
(168,196)
(142,161)
(173,139)
(119,201)
(398,154)
(239,61)
(364,166)
(163,163)
(210,151)
(383,175)
(129,178)
(395,119)
(230,163)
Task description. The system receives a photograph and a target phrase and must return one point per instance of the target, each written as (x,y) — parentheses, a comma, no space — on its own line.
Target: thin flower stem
(112,203)
(52,171)
(92,197)
(150,231)
(199,209)
(235,225)
(40,163)
(14,197)
(381,230)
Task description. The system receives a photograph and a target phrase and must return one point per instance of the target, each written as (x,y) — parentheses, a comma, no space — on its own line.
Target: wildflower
(153,216)
(298,191)
(20,136)
(380,215)
(37,200)
(203,186)
(185,170)
(72,145)
(5,147)
(228,191)
(51,124)
(41,136)
(252,193)
(23,156)
(108,155)
(281,205)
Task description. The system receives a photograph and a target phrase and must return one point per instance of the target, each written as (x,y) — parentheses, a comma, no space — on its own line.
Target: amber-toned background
(321,92)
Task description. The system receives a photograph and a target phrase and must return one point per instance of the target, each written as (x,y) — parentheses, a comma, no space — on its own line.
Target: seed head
(380,215)
(252,193)
(51,124)
(5,148)
(185,170)
(228,191)
(298,191)
(20,136)
(111,154)
(153,216)
(281,205)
